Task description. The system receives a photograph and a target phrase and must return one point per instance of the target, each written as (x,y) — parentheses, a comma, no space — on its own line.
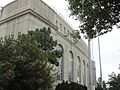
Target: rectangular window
(60,26)
(68,32)
(64,30)
(56,23)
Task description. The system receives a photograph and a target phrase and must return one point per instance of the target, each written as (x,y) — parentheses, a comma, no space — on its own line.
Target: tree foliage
(114,82)
(70,86)
(76,36)
(26,63)
(97,16)
(98,87)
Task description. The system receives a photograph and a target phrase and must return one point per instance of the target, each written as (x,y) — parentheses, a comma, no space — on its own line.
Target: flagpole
(101,83)
(89,65)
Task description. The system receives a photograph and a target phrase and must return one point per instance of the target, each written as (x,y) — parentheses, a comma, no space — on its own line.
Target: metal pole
(89,66)
(101,83)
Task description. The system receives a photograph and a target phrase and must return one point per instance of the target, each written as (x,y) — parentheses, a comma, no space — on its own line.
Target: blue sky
(110,44)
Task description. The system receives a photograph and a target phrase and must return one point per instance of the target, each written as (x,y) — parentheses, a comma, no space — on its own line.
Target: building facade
(25,15)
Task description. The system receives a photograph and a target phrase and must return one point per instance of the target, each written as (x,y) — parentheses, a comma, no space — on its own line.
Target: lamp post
(101,83)
(89,66)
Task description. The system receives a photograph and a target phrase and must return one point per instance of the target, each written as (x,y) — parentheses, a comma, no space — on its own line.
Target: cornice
(27,11)
(14,16)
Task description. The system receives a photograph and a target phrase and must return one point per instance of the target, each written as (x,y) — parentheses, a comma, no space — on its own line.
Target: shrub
(70,86)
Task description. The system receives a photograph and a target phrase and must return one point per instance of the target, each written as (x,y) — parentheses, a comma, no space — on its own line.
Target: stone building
(25,15)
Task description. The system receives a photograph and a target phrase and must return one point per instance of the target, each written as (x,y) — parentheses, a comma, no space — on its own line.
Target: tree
(26,63)
(98,87)
(70,86)
(114,82)
(97,16)
(104,86)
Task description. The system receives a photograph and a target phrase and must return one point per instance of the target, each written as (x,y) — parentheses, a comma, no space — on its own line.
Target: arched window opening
(60,67)
(78,70)
(84,73)
(70,66)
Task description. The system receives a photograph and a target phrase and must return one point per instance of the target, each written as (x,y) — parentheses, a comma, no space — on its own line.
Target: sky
(109,43)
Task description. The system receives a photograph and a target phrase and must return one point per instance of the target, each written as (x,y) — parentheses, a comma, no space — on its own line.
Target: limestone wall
(25,15)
